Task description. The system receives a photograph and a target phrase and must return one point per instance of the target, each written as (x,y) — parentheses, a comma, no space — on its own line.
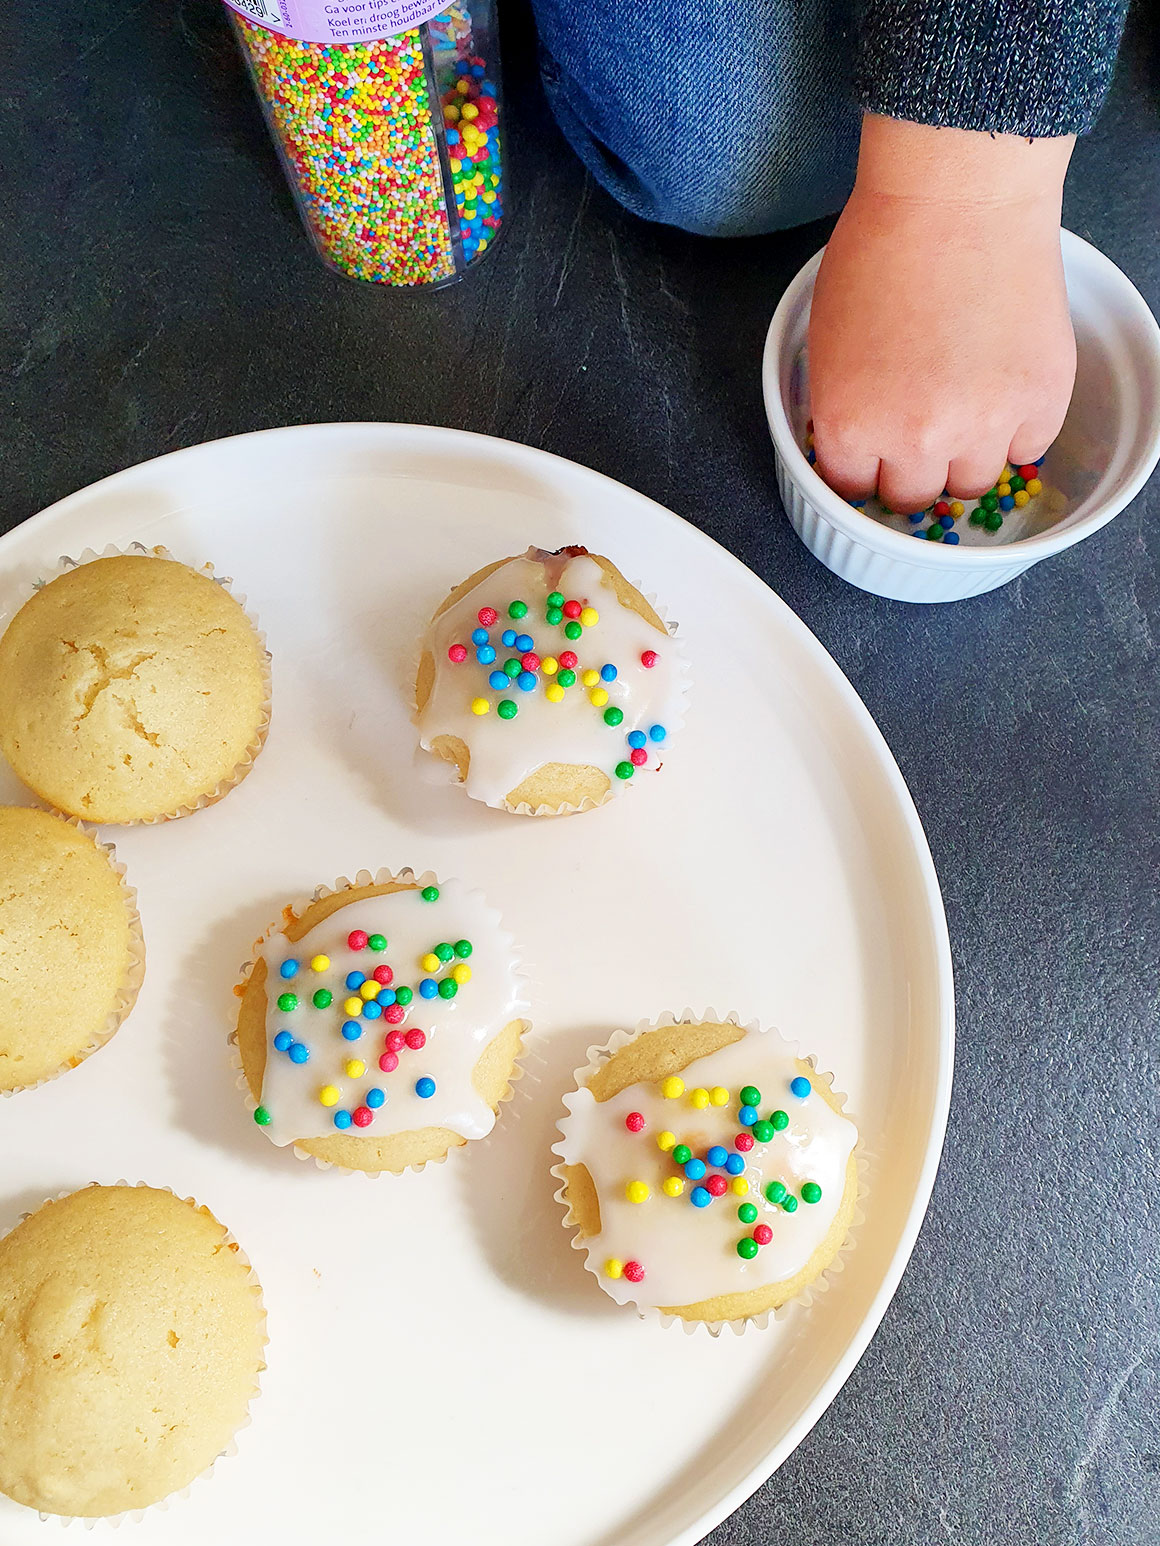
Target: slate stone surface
(156,293)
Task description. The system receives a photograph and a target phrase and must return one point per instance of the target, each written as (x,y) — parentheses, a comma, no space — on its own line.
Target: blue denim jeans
(724,117)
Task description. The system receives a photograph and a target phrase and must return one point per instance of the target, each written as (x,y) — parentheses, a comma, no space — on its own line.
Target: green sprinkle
(978,516)
(445,952)
(682,1154)
(566,678)
(556,599)
(750,1095)
(378,942)
(775,1191)
(994,520)
(323,998)
(518,609)
(512,668)
(747,1247)
(448,988)
(762,1131)
(262,1116)
(811,1192)
(934,533)
(747,1213)
(403,996)
(463,948)
(430,893)
(553,615)
(779,1119)
(789,1203)
(287,1002)
(506,709)
(613,716)
(990,501)
(624,770)
(1017,483)
(572,630)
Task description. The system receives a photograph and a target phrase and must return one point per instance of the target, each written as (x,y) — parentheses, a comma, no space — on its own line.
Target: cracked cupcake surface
(131,688)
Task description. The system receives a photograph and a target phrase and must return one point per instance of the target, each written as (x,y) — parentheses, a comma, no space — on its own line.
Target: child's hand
(940,340)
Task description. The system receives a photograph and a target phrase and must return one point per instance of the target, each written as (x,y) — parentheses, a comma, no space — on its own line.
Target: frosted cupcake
(71,956)
(548,683)
(380,1023)
(131,1339)
(132,689)
(708,1171)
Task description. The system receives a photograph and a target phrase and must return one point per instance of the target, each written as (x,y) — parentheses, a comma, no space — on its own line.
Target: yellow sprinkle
(549,665)
(461,973)
(957,508)
(637,1191)
(1022,497)
(590,677)
(673,1186)
(555,693)
(328,1095)
(740,1185)
(356,1068)
(1008,472)
(369,989)
(666,1140)
(1034,486)
(352,1008)
(480,706)
(719,1095)
(613,1268)
(320,964)
(430,962)
(589,617)
(699,1099)
(672,1087)
(469,110)
(1003,490)
(598,697)
(456,164)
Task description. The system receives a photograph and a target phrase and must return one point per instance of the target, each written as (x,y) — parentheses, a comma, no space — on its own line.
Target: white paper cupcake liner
(597,1057)
(115,1521)
(134,972)
(676,720)
(296,908)
(223,787)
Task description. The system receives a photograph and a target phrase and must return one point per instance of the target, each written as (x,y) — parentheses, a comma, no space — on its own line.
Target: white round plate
(441,1367)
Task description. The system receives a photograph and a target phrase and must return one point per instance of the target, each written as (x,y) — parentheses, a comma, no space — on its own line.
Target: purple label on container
(337,21)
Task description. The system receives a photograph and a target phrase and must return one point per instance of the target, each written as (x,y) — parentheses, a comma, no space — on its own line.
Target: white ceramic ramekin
(1105,453)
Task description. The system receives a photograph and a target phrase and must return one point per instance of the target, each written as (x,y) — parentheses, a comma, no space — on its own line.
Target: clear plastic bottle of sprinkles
(386,116)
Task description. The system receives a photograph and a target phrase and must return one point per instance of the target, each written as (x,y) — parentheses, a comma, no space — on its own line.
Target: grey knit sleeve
(1029,67)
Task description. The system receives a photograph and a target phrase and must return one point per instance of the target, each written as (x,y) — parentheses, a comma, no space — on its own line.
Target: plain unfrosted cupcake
(132,688)
(131,1338)
(380,1023)
(708,1171)
(71,955)
(548,683)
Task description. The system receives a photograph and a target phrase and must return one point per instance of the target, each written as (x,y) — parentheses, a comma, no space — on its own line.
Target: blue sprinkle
(342,1120)
(700,1198)
(375,1098)
(478,71)
(1006,502)
(526,681)
(747,1116)
(352,1030)
(952,539)
(657,732)
(921,535)
(608,673)
(916,517)
(811,457)
(695,1169)
(480,636)
(372,1009)
(425,1087)
(289,969)
(428,988)
(498,680)
(355,980)
(800,1087)
(858,504)
(524,642)
(452,136)
(946,522)
(298,1052)
(386,996)
(283,1041)
(636,739)
(487,89)
(485,654)
(735,1165)
(717,1155)
(508,637)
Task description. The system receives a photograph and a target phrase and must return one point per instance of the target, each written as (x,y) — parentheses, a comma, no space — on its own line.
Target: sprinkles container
(386,117)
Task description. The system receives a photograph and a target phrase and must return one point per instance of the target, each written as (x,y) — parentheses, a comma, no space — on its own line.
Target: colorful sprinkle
(329,1095)
(388,1062)
(739,1185)
(634,1272)
(589,617)
(287,1002)
(362,1116)
(672,1088)
(775,1191)
(734,1164)
(487,616)
(288,969)
(283,1041)
(743,1142)
(717,1155)
(430,893)
(322,998)
(636,739)
(747,1213)
(355,1068)
(356,940)
(672,1186)
(800,1087)
(695,1169)
(262,1116)
(657,732)
(457,654)
(568,660)
(637,1191)
(635,1122)
(719,1095)
(351,1030)
(747,1248)
(378,943)
(666,1140)
(779,1120)
(789,1203)
(416,1039)
(518,609)
(613,1267)
(700,1197)
(717,1186)
(342,1120)
(811,1192)
(763,1234)
(763,1131)
(682,1154)
(699,1099)
(608,673)
(613,716)
(506,709)
(624,770)
(649,659)
(425,1087)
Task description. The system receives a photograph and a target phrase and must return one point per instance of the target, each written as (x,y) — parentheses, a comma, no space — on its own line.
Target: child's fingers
(1029,443)
(910,486)
(970,476)
(851,476)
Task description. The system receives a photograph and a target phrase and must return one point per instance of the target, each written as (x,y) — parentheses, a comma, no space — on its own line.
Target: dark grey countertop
(156,293)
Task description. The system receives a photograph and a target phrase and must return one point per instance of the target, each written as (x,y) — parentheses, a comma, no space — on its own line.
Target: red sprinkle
(416,1039)
(394,1013)
(568,659)
(763,1234)
(383,975)
(356,940)
(572,610)
(649,659)
(743,1143)
(942,508)
(530,661)
(634,1121)
(634,1272)
(457,653)
(487,616)
(638,756)
(1029,472)
(362,1116)
(716,1185)
(388,1062)
(396,1041)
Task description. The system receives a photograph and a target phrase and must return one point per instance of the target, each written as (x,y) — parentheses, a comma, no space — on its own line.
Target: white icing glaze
(573,731)
(689,1253)
(457,1029)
